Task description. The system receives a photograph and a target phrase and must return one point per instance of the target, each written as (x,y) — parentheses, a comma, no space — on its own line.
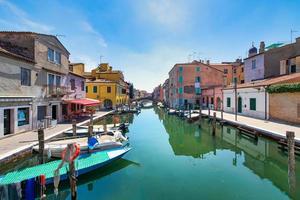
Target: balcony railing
(55,91)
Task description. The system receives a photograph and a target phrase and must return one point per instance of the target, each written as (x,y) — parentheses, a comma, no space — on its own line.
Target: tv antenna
(292,32)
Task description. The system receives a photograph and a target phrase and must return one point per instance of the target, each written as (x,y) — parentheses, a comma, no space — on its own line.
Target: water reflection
(88,180)
(262,157)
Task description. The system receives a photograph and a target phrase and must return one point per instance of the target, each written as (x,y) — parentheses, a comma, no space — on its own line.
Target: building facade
(107,86)
(272,61)
(44,79)
(188,80)
(254,100)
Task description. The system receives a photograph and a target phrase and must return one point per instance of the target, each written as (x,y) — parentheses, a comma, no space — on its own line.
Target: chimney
(262,47)
(207,62)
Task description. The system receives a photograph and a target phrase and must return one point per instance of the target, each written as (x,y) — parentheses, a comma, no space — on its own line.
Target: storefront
(15,115)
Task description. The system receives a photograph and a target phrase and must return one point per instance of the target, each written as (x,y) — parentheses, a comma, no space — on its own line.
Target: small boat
(148,105)
(193,116)
(98,129)
(55,148)
(83,164)
(172,112)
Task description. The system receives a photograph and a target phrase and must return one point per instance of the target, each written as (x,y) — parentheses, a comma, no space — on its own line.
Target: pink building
(184,82)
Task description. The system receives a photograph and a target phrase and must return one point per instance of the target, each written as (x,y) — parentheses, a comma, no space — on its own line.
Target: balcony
(55,91)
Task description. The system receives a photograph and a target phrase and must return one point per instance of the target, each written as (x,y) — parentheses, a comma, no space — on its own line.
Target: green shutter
(198,90)
(180,90)
(180,79)
(228,102)
(197,69)
(95,89)
(86,89)
(252,103)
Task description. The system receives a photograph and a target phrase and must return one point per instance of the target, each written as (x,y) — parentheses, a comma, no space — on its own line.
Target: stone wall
(285,107)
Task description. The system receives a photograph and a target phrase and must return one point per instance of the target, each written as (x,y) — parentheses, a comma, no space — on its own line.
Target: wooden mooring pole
(214,122)
(290,136)
(222,114)
(74,127)
(72,177)
(200,113)
(41,138)
(208,112)
(91,118)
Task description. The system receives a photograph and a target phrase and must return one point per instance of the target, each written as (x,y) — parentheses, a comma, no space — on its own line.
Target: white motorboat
(104,142)
(171,112)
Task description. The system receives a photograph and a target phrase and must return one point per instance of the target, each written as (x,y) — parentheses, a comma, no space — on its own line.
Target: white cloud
(87,27)
(23,20)
(171,14)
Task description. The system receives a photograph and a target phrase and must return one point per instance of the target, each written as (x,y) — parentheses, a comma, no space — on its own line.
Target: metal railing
(55,91)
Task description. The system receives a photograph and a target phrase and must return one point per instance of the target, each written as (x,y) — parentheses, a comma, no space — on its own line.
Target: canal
(172,159)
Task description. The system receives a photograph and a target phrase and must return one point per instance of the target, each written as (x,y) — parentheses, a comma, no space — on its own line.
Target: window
(197,69)
(108,89)
(82,85)
(234,80)
(180,90)
(95,89)
(253,64)
(180,69)
(23,116)
(54,56)
(50,55)
(123,91)
(242,69)
(293,69)
(234,71)
(212,100)
(242,81)
(72,82)
(51,78)
(86,89)
(57,57)
(180,79)
(198,91)
(25,77)
(252,103)
(228,102)
(58,80)
(225,71)
(197,79)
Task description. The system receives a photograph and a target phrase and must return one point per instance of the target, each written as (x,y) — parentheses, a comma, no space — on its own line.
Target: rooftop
(291,78)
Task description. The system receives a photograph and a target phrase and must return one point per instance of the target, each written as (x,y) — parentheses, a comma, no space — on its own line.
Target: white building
(252,97)
(251,101)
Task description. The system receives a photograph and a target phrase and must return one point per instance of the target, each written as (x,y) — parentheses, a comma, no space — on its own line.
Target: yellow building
(107,85)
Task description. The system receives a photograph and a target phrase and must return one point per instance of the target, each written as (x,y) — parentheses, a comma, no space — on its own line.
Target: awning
(85,102)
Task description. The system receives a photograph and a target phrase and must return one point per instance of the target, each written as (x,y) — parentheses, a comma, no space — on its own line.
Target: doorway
(240,104)
(54,112)
(7,120)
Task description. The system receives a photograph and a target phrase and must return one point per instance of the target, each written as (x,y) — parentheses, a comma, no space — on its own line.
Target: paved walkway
(268,127)
(19,142)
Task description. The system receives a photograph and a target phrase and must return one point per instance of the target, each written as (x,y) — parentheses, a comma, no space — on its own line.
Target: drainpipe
(265,103)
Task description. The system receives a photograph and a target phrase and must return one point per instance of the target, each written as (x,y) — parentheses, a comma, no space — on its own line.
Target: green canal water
(172,159)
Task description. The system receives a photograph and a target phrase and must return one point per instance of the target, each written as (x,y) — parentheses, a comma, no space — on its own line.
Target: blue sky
(145,39)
